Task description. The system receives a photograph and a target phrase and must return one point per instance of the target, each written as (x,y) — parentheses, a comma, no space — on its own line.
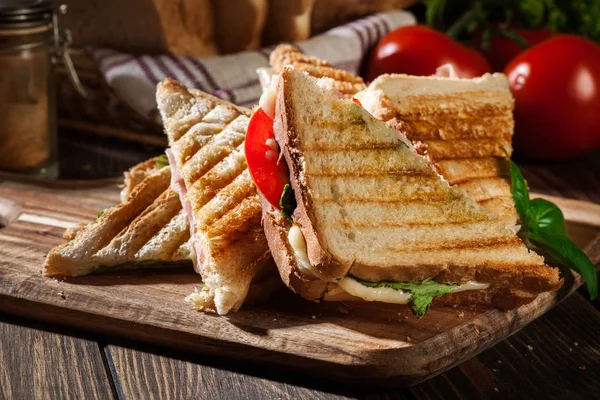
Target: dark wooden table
(555,357)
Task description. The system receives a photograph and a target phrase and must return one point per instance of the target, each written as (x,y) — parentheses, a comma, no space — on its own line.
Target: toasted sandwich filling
(420,294)
(178,185)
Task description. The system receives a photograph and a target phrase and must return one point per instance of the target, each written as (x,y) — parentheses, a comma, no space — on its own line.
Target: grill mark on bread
(207,186)
(491,244)
(208,158)
(236,223)
(351,147)
(359,174)
(197,137)
(226,199)
(387,224)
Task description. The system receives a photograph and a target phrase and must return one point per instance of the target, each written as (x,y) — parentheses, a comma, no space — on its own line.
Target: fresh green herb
(461,19)
(422,293)
(162,161)
(287,202)
(101,212)
(543,228)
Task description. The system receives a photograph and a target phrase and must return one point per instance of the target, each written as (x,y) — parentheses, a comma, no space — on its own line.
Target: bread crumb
(461,314)
(499,361)
(496,389)
(530,347)
(570,349)
(495,370)
(576,343)
(274,319)
(583,368)
(313,316)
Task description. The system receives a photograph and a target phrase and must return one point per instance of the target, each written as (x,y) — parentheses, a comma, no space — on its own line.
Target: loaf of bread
(207,27)
(327,14)
(239,24)
(181,27)
(287,21)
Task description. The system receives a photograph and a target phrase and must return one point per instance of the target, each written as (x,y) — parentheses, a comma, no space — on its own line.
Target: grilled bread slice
(207,158)
(148,228)
(463,127)
(369,208)
(343,81)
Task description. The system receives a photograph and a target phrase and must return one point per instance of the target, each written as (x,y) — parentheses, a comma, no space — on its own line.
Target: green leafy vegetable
(520,191)
(544,216)
(287,202)
(460,19)
(543,227)
(563,251)
(162,161)
(422,293)
(101,212)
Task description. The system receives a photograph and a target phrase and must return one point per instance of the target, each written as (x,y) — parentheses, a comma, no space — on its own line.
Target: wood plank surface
(543,352)
(143,375)
(38,364)
(353,342)
(555,357)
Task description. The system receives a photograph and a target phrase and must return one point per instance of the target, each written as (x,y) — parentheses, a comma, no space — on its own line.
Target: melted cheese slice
(298,244)
(389,295)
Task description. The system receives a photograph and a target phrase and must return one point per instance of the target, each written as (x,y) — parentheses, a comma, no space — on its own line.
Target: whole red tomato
(419,50)
(502,50)
(556,86)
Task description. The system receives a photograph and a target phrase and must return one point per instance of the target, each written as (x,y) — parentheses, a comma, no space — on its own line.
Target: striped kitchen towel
(233,77)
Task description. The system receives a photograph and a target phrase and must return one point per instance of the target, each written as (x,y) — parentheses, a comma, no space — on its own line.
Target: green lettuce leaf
(162,161)
(422,293)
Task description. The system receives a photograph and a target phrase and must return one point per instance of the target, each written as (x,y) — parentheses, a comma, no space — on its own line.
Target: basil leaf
(287,202)
(162,161)
(520,192)
(562,250)
(422,293)
(544,216)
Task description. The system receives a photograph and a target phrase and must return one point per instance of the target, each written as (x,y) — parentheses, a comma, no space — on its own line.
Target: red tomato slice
(269,175)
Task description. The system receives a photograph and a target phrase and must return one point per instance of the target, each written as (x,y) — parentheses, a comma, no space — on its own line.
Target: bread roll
(239,24)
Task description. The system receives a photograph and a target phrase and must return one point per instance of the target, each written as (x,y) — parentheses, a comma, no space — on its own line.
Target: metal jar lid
(21,14)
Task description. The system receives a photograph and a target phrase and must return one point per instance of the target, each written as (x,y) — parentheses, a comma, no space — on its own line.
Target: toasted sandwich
(148,228)
(462,126)
(365,218)
(206,138)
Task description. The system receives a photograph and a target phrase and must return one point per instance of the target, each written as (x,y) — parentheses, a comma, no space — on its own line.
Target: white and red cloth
(233,77)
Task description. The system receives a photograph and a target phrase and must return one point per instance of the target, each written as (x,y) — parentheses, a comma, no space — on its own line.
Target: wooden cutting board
(359,343)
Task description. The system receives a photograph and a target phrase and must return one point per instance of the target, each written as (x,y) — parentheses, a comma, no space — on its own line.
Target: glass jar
(30,44)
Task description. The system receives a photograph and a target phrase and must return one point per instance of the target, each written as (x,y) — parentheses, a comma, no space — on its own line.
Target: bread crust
(328,266)
(276,230)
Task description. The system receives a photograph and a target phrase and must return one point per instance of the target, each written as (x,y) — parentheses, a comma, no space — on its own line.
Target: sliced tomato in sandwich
(262,155)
